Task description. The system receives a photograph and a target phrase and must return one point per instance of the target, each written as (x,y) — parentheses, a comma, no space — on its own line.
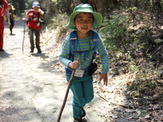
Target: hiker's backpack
(31,11)
(74,45)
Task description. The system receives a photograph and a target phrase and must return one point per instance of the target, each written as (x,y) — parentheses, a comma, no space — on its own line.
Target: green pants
(33,32)
(82,89)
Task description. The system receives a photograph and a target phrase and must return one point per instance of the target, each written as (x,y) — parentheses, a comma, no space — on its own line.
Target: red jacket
(3,7)
(34,18)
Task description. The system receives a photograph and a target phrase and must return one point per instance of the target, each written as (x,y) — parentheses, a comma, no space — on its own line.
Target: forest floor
(32,87)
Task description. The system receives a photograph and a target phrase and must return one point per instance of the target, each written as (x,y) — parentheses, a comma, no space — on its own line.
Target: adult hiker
(3,11)
(78,51)
(34,16)
(12,14)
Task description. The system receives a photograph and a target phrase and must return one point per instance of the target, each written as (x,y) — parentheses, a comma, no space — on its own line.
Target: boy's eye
(90,20)
(85,21)
(80,20)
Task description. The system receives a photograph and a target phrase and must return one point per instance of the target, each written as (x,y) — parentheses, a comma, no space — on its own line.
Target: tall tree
(21,4)
(91,2)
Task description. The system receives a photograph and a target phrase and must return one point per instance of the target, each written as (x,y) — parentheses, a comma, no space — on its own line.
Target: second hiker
(34,16)
(12,15)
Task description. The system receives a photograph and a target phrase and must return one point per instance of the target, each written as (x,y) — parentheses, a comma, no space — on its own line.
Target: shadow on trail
(42,55)
(50,66)
(25,114)
(147,98)
(13,34)
(47,65)
(144,101)
(4,55)
(15,99)
(16,112)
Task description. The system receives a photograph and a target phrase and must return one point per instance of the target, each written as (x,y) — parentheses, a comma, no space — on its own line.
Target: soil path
(30,88)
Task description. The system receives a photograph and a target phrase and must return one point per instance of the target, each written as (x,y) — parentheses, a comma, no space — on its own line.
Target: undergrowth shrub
(122,34)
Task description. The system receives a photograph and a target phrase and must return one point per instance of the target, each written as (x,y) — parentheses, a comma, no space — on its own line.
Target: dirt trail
(30,88)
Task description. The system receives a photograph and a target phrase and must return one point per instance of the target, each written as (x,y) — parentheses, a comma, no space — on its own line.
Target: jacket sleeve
(29,14)
(65,51)
(5,4)
(104,56)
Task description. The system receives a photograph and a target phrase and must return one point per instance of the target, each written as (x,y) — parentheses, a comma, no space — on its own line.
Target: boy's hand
(9,24)
(74,64)
(103,76)
(24,19)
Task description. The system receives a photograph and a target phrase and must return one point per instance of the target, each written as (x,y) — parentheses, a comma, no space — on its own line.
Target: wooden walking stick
(23,37)
(66,95)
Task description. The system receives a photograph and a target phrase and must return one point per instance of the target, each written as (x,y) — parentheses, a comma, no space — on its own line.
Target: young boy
(82,20)
(34,16)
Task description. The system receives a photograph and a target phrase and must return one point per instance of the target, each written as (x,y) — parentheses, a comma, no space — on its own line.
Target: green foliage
(114,32)
(126,36)
(120,33)
(133,68)
(58,21)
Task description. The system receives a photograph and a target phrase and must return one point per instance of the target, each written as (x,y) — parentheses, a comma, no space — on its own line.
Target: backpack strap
(95,38)
(38,15)
(74,44)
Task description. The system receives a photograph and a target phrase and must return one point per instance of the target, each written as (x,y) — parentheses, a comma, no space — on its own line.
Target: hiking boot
(79,119)
(84,120)
(31,51)
(2,50)
(39,51)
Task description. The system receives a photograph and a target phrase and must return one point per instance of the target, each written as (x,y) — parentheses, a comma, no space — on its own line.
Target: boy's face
(83,22)
(36,8)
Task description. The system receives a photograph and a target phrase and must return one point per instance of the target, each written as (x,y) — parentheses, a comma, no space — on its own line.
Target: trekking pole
(66,95)
(23,37)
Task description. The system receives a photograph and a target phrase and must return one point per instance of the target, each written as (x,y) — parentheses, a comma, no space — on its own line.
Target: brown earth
(32,87)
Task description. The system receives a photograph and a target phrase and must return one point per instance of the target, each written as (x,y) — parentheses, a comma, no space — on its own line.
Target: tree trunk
(136,3)
(117,2)
(13,2)
(21,5)
(156,8)
(102,6)
(91,2)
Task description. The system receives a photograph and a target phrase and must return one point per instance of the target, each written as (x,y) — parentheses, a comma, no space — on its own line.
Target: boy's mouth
(84,28)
